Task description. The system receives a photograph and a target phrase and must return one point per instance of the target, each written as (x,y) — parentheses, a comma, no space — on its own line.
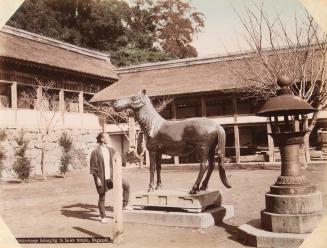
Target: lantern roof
(285,103)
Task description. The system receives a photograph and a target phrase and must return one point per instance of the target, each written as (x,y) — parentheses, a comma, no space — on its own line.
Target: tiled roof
(39,50)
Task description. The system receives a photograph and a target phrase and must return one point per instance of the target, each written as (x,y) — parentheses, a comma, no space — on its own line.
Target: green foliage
(66,143)
(3,136)
(131,55)
(176,24)
(65,160)
(144,31)
(22,164)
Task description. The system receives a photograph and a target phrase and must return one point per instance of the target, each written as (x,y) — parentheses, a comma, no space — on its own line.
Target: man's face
(105,139)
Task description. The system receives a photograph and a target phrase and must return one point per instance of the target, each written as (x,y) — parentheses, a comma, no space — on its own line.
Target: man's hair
(100,135)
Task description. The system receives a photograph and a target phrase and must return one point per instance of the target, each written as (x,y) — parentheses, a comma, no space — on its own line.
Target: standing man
(101,167)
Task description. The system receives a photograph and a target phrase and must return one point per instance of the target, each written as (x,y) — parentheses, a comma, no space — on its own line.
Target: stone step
(209,217)
(294,204)
(290,223)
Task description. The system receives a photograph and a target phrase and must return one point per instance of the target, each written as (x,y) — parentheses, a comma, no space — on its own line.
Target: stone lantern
(293,205)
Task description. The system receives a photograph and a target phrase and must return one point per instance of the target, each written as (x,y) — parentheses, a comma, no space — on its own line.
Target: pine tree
(22,165)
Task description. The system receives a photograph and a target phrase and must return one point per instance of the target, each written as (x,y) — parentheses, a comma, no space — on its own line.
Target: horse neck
(148,118)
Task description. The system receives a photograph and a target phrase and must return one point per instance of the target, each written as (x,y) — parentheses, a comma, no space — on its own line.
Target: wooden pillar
(39,97)
(61,101)
(147,158)
(14,95)
(117,196)
(122,136)
(236,132)
(173,110)
(131,133)
(176,160)
(174,117)
(271,147)
(237,144)
(80,102)
(306,139)
(203,107)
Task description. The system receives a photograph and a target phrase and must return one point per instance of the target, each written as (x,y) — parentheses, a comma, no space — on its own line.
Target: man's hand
(99,182)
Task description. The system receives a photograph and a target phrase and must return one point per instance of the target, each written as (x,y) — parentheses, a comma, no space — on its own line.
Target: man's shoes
(104,220)
(127,207)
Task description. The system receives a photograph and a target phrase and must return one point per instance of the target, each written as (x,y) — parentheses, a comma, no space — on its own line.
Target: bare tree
(299,54)
(135,138)
(46,103)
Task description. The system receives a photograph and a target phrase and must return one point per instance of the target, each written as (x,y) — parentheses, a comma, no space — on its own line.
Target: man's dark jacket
(97,168)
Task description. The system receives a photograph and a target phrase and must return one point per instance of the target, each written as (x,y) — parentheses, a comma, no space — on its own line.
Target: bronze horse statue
(177,138)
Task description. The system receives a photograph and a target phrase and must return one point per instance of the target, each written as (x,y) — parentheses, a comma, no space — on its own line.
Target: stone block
(290,223)
(294,204)
(177,199)
(253,234)
(205,219)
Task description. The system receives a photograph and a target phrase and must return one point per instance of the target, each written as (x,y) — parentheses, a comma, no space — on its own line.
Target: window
(219,107)
(188,107)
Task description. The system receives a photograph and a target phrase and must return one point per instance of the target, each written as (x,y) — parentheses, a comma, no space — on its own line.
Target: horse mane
(148,118)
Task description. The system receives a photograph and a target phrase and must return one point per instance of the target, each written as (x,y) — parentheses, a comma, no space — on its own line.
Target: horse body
(180,138)
(177,138)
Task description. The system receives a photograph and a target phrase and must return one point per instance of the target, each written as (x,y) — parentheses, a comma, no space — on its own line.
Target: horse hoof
(159,187)
(194,191)
(151,189)
(203,187)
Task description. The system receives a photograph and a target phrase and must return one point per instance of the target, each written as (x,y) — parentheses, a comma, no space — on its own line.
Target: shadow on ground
(82,211)
(83,230)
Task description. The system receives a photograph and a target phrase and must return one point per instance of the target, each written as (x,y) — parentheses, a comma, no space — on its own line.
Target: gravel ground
(63,207)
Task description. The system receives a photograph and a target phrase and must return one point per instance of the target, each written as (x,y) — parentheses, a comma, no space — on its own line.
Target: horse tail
(221,155)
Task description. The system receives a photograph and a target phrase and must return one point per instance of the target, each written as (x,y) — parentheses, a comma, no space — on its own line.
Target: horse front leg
(152,170)
(158,167)
(203,168)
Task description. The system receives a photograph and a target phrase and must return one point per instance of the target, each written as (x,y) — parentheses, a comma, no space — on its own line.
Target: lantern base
(290,223)
(252,234)
(291,213)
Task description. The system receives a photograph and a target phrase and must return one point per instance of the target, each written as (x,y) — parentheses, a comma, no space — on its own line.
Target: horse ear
(143,91)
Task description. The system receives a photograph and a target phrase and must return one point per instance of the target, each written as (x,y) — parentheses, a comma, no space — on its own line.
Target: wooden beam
(236,132)
(173,110)
(117,196)
(14,95)
(237,144)
(80,102)
(203,107)
(271,147)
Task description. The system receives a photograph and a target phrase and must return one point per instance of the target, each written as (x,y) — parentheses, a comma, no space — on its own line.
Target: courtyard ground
(67,207)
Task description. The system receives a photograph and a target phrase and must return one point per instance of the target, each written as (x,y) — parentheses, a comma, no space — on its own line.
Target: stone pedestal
(178,208)
(176,199)
(292,213)
(205,219)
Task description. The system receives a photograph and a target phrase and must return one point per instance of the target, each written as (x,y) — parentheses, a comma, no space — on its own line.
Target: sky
(223,29)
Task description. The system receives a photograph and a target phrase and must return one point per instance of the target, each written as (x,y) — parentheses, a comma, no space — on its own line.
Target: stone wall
(84,141)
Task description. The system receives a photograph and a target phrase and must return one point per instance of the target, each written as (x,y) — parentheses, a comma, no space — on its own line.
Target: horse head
(133,102)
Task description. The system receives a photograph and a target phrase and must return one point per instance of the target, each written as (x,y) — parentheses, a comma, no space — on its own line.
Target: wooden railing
(29,79)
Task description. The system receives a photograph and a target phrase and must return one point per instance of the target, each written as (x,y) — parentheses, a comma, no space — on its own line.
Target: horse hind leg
(203,168)
(211,161)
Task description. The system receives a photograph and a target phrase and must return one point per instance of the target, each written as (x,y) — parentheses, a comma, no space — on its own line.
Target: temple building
(199,87)
(32,65)
(207,87)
